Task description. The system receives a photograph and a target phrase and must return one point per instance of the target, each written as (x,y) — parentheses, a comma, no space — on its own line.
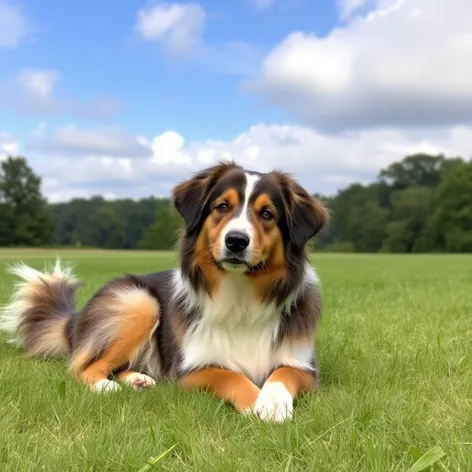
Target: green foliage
(107,229)
(118,224)
(422,203)
(453,216)
(414,171)
(24,213)
(162,234)
(410,210)
(366,226)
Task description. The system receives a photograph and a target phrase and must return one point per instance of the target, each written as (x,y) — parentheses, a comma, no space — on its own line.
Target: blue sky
(98,52)
(125,98)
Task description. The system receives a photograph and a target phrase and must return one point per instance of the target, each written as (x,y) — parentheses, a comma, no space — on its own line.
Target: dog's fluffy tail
(39,309)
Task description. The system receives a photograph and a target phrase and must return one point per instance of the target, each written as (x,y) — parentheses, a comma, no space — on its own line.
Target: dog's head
(245,221)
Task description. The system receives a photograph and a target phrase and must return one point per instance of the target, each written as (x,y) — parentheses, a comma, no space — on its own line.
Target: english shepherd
(236,318)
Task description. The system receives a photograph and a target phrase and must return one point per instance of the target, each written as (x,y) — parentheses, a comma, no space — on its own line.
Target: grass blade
(61,389)
(154,460)
(153,435)
(428,459)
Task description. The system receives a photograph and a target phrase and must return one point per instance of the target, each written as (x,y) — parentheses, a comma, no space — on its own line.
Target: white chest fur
(236,331)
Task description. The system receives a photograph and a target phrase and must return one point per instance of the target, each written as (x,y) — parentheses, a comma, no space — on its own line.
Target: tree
(410,210)
(24,212)
(137,217)
(7,223)
(418,204)
(107,229)
(366,226)
(453,215)
(415,170)
(74,220)
(162,234)
(358,217)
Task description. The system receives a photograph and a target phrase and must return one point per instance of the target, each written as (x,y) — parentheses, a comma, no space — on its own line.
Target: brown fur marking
(203,259)
(139,315)
(233,387)
(217,220)
(268,242)
(208,242)
(295,380)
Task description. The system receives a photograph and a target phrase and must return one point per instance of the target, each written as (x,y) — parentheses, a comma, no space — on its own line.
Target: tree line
(422,203)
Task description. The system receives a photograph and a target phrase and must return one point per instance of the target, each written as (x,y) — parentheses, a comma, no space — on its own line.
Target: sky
(125,99)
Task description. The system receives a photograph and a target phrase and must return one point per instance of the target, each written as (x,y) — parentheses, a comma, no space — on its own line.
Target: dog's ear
(305,216)
(191,196)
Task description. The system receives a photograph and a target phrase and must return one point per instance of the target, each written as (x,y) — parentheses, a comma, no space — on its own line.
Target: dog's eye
(222,207)
(267,215)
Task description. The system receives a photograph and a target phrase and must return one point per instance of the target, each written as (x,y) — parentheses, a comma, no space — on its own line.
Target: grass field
(395,350)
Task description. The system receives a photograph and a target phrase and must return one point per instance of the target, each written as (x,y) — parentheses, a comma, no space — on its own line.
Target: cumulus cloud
(39,82)
(13,25)
(177,26)
(33,91)
(405,63)
(79,142)
(8,145)
(321,162)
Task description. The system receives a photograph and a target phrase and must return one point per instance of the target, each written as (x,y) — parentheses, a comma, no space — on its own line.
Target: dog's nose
(236,241)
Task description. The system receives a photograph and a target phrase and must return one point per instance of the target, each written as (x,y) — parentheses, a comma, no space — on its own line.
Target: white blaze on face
(242,222)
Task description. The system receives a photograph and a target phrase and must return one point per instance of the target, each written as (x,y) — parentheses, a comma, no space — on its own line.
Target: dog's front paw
(105,386)
(139,381)
(274,403)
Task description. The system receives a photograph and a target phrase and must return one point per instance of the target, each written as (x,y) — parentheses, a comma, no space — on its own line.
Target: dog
(236,318)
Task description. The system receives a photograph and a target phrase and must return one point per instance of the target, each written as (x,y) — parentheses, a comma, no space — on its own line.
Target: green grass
(395,356)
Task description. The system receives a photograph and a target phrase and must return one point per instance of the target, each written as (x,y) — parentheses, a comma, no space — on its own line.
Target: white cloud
(13,25)
(321,162)
(169,148)
(39,82)
(8,145)
(33,91)
(177,26)
(79,142)
(406,63)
